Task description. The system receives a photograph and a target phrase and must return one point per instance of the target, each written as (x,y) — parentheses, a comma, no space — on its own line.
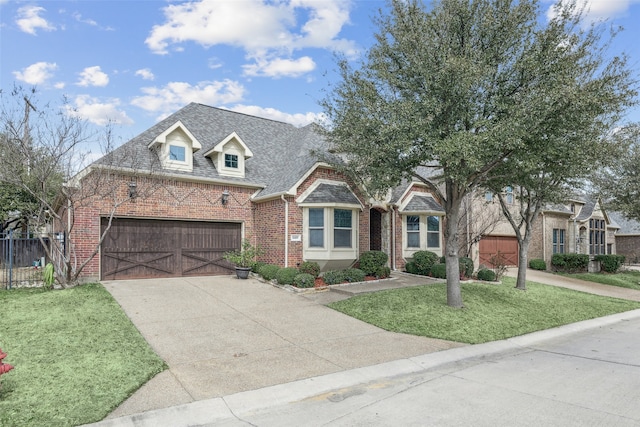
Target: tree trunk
(454,200)
(521,281)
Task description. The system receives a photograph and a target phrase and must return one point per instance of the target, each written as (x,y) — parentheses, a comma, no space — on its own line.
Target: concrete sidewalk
(220,336)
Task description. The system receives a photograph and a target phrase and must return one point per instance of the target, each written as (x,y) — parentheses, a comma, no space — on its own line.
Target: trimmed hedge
(610,263)
(310,267)
(352,275)
(424,260)
(383,272)
(570,262)
(439,271)
(411,267)
(371,261)
(486,275)
(538,264)
(466,266)
(268,271)
(334,277)
(304,280)
(285,276)
(257,266)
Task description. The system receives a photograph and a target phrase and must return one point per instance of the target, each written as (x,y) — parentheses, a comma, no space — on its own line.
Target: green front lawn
(76,356)
(492,312)
(625,279)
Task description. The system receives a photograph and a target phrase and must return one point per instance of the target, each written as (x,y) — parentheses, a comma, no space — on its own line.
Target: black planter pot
(243,272)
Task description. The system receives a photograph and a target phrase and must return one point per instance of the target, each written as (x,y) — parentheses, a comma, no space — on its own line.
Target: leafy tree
(446,95)
(619,181)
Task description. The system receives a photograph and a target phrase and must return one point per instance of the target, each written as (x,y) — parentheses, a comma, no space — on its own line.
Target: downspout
(286,230)
(393,238)
(544,237)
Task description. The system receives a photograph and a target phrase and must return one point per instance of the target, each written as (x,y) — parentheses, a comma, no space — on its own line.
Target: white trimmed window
(330,229)
(177,153)
(422,232)
(316,227)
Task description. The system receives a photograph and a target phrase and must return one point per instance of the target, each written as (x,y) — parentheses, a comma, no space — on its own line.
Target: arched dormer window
(229,156)
(176,146)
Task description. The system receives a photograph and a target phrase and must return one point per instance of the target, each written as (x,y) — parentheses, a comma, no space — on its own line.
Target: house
(580,225)
(195,184)
(627,237)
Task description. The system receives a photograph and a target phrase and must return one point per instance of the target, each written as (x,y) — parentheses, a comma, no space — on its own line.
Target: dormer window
(176,146)
(229,156)
(231,161)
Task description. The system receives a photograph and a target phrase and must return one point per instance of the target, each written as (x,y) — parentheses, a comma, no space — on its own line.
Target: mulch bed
(319,284)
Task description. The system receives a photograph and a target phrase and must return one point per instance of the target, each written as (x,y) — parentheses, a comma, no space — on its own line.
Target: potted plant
(244,258)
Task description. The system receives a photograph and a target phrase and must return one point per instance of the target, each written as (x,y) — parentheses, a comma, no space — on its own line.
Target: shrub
(570,262)
(268,271)
(285,276)
(352,275)
(383,272)
(304,280)
(334,277)
(486,275)
(411,267)
(257,266)
(310,267)
(538,264)
(443,260)
(499,263)
(424,260)
(371,261)
(610,263)
(466,267)
(439,271)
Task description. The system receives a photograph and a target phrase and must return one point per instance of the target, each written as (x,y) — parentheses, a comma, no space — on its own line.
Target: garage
(145,248)
(506,245)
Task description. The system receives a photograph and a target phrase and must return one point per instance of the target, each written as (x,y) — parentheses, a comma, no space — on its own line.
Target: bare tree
(42,155)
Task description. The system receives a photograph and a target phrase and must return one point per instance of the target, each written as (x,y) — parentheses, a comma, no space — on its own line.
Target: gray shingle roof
(328,193)
(627,226)
(281,152)
(419,203)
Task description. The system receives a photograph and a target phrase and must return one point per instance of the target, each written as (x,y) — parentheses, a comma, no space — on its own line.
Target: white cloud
(37,73)
(178,94)
(93,76)
(596,10)
(99,113)
(270,30)
(78,17)
(29,19)
(145,73)
(273,114)
(280,67)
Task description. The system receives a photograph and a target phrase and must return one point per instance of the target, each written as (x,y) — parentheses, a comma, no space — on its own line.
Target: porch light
(225,197)
(133,192)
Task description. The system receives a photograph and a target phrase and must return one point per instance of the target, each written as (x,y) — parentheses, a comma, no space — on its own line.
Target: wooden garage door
(139,248)
(491,245)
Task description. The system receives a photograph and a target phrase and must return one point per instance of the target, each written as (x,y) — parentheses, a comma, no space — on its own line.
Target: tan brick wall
(629,246)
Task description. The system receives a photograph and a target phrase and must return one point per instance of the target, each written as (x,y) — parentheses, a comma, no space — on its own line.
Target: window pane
(413,223)
(433,223)
(342,218)
(342,238)
(231,161)
(555,236)
(177,153)
(562,236)
(433,240)
(413,240)
(316,238)
(316,217)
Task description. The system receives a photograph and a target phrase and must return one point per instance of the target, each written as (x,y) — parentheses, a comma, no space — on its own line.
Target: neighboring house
(204,178)
(627,237)
(579,226)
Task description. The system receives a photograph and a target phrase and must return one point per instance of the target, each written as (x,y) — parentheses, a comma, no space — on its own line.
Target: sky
(132,63)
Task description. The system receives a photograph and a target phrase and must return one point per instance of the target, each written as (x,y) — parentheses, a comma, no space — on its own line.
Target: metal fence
(21,260)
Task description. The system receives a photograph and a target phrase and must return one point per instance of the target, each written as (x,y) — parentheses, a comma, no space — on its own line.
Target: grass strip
(491,312)
(76,356)
(624,279)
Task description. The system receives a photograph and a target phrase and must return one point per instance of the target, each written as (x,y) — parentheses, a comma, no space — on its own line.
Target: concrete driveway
(220,335)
